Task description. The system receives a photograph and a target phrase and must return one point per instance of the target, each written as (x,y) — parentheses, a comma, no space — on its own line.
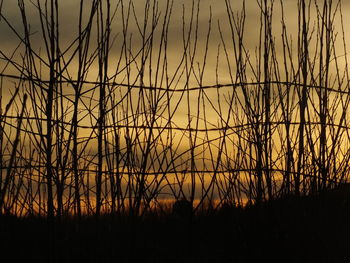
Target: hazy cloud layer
(69,25)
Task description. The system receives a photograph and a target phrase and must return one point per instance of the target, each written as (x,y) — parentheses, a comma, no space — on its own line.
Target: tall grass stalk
(121,114)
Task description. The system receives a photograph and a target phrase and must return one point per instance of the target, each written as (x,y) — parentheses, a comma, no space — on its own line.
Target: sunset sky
(69,13)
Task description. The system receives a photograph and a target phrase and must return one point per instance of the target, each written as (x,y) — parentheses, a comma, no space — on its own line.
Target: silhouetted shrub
(182,209)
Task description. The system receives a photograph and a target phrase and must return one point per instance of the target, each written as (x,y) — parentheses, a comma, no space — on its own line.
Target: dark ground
(312,229)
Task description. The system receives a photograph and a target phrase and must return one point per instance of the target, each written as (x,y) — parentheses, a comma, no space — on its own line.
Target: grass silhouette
(293,228)
(102,125)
